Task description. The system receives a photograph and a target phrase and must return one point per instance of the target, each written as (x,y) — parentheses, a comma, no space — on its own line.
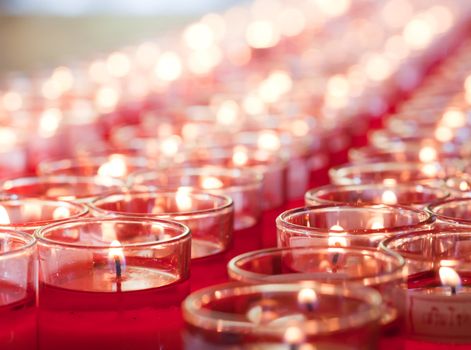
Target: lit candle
(116,256)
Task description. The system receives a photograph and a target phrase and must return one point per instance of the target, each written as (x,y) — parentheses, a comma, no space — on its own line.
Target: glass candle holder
(347,225)
(439,284)
(272,167)
(408,194)
(347,266)
(69,188)
(243,186)
(392,172)
(29,214)
(115,165)
(461,185)
(282,316)
(452,213)
(112,283)
(18,278)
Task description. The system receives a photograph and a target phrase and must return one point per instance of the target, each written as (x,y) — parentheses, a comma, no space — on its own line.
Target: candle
(71,188)
(29,214)
(409,194)
(113,282)
(439,284)
(17,291)
(353,225)
(281,316)
(209,216)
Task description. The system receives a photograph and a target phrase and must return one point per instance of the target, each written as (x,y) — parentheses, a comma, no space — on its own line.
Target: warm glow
(61,213)
(211,183)
(198,36)
(51,89)
(333,8)
(118,65)
(389,182)
(106,99)
(389,197)
(463,186)
(418,34)
(262,34)
(116,253)
(291,22)
(49,122)
(336,240)
(146,54)
(396,13)
(467,83)
(64,78)
(337,86)
(454,118)
(8,138)
(227,112)
(307,296)
(12,101)
(4,217)
(170,145)
(183,199)
(253,105)
(377,67)
(114,167)
(216,23)
(240,156)
(427,154)
(168,67)
(377,223)
(443,133)
(277,84)
(449,277)
(430,169)
(201,62)
(269,140)
(97,72)
(294,336)
(299,127)
(440,18)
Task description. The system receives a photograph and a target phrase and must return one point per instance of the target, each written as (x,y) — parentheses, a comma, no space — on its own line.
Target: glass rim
(41,231)
(206,319)
(419,256)
(434,207)
(254,179)
(82,210)
(315,193)
(281,220)
(227,202)
(28,242)
(49,167)
(247,276)
(383,166)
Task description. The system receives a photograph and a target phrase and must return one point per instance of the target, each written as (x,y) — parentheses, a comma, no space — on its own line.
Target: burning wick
(116,254)
(336,242)
(307,298)
(294,337)
(449,278)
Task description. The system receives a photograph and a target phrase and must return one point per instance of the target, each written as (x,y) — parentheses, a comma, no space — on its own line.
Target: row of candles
(180,153)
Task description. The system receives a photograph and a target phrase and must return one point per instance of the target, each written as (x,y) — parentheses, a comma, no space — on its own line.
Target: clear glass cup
(292,316)
(392,172)
(439,285)
(244,186)
(18,279)
(408,194)
(359,225)
(452,213)
(29,214)
(112,278)
(69,188)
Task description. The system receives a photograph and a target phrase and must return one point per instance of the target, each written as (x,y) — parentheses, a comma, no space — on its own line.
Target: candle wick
(453,290)
(117,264)
(335,261)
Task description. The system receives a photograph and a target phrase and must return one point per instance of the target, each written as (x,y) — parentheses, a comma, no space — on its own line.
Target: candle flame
(240,156)
(337,240)
(389,197)
(211,183)
(269,140)
(389,182)
(183,200)
(116,257)
(61,213)
(449,277)
(294,335)
(427,154)
(114,167)
(307,298)
(4,217)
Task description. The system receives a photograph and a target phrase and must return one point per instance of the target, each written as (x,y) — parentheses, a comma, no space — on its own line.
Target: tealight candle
(242,185)
(392,172)
(70,188)
(112,283)
(17,290)
(346,266)
(282,316)
(209,217)
(114,165)
(408,194)
(348,225)
(29,214)
(439,284)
